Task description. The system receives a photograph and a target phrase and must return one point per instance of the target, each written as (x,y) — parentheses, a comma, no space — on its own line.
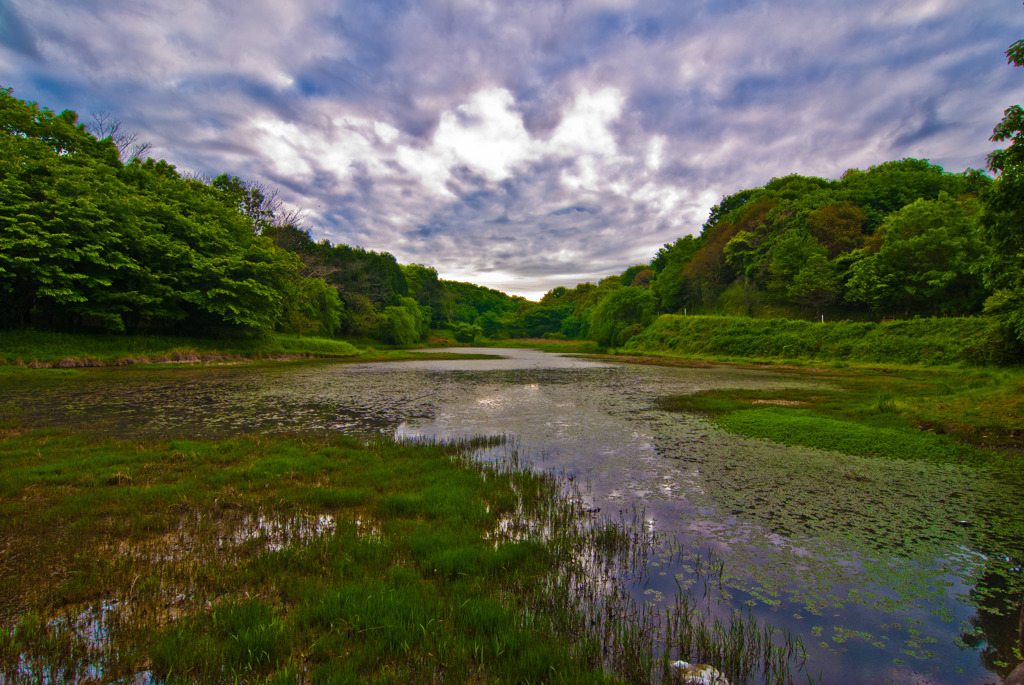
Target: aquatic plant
(316,557)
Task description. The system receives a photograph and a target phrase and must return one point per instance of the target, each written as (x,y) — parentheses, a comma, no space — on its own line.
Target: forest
(89,241)
(94,238)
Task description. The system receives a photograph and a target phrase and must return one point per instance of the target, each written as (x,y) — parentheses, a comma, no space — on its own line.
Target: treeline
(900,240)
(88,241)
(897,240)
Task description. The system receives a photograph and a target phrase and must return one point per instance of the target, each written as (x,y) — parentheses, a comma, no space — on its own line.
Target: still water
(892,572)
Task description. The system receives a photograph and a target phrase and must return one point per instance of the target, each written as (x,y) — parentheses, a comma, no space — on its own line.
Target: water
(890,571)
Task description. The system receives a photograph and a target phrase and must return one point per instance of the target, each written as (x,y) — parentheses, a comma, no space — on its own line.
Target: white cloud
(278,142)
(655,152)
(584,128)
(485,134)
(430,167)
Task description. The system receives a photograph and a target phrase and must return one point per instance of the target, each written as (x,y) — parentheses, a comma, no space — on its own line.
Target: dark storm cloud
(531,143)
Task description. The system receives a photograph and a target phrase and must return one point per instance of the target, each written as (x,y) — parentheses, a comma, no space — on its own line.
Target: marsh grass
(805,427)
(325,559)
(886,402)
(27,345)
(971,416)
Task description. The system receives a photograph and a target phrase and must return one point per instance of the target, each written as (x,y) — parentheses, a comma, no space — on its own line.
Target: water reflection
(891,571)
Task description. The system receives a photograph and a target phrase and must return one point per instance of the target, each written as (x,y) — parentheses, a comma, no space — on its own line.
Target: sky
(523,144)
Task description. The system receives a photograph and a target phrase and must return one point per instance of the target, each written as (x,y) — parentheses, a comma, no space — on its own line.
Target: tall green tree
(816,284)
(926,262)
(838,227)
(86,240)
(1003,219)
(406,323)
(622,314)
(425,288)
(669,284)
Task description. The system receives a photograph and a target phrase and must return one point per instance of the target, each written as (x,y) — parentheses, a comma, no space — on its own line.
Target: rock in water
(700,674)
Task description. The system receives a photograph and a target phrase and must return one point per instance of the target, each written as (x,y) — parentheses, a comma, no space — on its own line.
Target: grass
(932,341)
(24,346)
(28,347)
(964,415)
(546,345)
(317,558)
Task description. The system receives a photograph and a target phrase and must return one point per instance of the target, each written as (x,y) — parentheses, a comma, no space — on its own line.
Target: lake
(890,571)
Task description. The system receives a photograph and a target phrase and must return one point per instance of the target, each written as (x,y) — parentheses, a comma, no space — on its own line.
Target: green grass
(255,558)
(932,341)
(808,428)
(318,559)
(945,414)
(29,345)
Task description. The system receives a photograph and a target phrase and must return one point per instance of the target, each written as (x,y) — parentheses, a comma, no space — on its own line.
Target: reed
(321,558)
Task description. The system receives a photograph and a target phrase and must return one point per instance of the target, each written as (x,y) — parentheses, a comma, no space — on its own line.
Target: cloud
(523,144)
(14,34)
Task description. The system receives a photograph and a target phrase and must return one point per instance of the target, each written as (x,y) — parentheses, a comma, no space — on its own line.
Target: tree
(729,204)
(838,227)
(888,187)
(426,289)
(253,199)
(791,253)
(404,324)
(620,311)
(669,283)
(926,261)
(1003,219)
(466,332)
(106,126)
(88,241)
(629,275)
(815,285)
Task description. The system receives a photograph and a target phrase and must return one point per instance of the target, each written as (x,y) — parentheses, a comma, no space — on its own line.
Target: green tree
(620,312)
(669,284)
(466,332)
(1003,218)
(815,285)
(254,200)
(314,307)
(787,257)
(88,241)
(425,288)
(926,261)
(629,275)
(888,187)
(838,227)
(403,324)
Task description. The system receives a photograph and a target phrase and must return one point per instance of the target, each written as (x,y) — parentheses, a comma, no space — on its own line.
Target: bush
(930,341)
(620,310)
(405,324)
(466,332)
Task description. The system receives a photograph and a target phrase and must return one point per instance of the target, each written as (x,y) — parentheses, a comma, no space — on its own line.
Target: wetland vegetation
(153,541)
(325,558)
(959,415)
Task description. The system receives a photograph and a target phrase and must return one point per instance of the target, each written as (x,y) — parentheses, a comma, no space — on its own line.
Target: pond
(890,571)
